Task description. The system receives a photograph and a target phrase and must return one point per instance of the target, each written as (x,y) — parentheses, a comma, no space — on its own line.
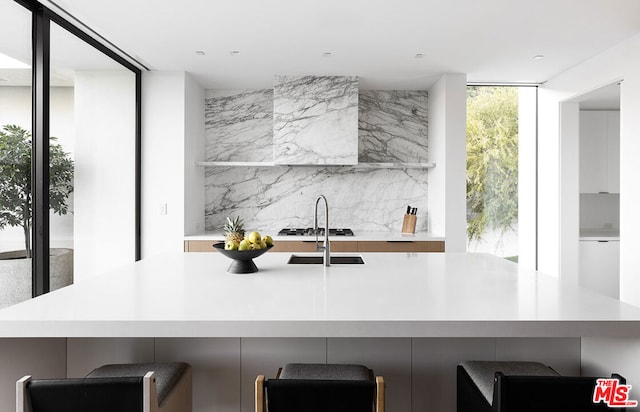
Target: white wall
(447,149)
(194,199)
(620,62)
(172,139)
(570,191)
(527,207)
(104,225)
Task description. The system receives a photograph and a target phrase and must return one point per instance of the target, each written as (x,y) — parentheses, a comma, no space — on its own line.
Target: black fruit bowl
(241,260)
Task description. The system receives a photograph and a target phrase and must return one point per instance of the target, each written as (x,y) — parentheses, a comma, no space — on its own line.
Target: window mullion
(40,153)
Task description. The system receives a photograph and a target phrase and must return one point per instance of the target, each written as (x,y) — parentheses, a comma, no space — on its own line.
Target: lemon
(254,237)
(244,245)
(268,240)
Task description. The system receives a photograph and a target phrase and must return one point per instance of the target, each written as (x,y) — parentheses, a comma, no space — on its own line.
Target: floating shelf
(232,164)
(359,165)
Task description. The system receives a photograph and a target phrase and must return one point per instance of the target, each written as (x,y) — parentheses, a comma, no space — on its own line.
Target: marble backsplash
(239,127)
(272,198)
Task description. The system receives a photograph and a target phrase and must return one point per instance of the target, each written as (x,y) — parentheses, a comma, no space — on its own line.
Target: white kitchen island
(391,295)
(412,317)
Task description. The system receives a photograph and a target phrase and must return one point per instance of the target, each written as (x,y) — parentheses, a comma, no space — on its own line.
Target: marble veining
(271,198)
(315,120)
(393,126)
(239,125)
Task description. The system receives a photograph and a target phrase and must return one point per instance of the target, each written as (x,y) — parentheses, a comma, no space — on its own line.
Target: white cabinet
(599,151)
(600,266)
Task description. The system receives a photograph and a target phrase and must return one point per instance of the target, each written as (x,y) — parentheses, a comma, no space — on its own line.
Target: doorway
(590,190)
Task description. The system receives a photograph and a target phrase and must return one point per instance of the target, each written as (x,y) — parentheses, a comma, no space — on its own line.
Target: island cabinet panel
(401,246)
(419,372)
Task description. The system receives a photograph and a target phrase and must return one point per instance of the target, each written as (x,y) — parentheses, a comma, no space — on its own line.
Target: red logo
(613,393)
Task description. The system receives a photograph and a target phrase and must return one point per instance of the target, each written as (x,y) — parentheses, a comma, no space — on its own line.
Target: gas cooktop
(310,232)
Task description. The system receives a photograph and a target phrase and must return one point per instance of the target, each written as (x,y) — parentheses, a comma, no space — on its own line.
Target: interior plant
(15,180)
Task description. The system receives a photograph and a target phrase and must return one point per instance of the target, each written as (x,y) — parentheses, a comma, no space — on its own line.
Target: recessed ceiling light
(419,55)
(327,54)
(234,52)
(538,57)
(200,52)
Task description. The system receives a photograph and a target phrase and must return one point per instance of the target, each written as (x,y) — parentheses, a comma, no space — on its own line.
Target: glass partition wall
(73,114)
(15,152)
(92,116)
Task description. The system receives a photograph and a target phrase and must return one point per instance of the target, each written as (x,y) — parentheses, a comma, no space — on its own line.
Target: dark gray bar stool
(494,386)
(137,387)
(313,387)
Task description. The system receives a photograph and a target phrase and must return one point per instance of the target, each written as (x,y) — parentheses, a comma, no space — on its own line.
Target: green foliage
(492,159)
(15,179)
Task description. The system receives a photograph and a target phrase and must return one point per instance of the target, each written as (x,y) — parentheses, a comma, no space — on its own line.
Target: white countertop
(599,234)
(392,294)
(358,236)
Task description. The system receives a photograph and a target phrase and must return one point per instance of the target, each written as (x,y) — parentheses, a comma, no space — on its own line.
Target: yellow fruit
(263,244)
(244,245)
(254,237)
(255,246)
(230,245)
(268,240)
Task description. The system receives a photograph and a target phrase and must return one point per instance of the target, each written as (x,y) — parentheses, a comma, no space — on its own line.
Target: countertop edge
(321,329)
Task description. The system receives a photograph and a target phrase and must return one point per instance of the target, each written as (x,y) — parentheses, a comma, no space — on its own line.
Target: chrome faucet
(326,247)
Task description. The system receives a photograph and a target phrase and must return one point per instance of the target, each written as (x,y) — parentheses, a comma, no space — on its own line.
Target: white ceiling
(377,40)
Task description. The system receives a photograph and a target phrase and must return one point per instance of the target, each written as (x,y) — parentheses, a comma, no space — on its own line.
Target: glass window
(15,153)
(92,189)
(501,171)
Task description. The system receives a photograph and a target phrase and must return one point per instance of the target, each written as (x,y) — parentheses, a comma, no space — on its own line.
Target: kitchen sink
(317,260)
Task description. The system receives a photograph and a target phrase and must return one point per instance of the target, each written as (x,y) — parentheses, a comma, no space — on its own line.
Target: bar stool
(137,387)
(316,387)
(494,386)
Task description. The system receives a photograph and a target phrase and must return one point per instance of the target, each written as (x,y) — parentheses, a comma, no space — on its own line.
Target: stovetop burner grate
(310,232)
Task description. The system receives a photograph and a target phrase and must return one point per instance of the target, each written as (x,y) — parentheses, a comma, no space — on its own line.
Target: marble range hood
(315,120)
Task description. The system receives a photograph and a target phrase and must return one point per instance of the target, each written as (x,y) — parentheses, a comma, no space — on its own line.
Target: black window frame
(41,47)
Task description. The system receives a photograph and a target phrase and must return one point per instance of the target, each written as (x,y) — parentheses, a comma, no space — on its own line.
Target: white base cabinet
(600,266)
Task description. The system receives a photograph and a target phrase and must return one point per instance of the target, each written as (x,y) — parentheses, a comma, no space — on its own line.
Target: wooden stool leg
(259,407)
(379,394)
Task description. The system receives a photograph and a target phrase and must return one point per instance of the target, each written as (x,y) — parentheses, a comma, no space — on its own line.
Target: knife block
(409,224)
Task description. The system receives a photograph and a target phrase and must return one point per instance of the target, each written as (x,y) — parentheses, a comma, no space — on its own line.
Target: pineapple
(233,230)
